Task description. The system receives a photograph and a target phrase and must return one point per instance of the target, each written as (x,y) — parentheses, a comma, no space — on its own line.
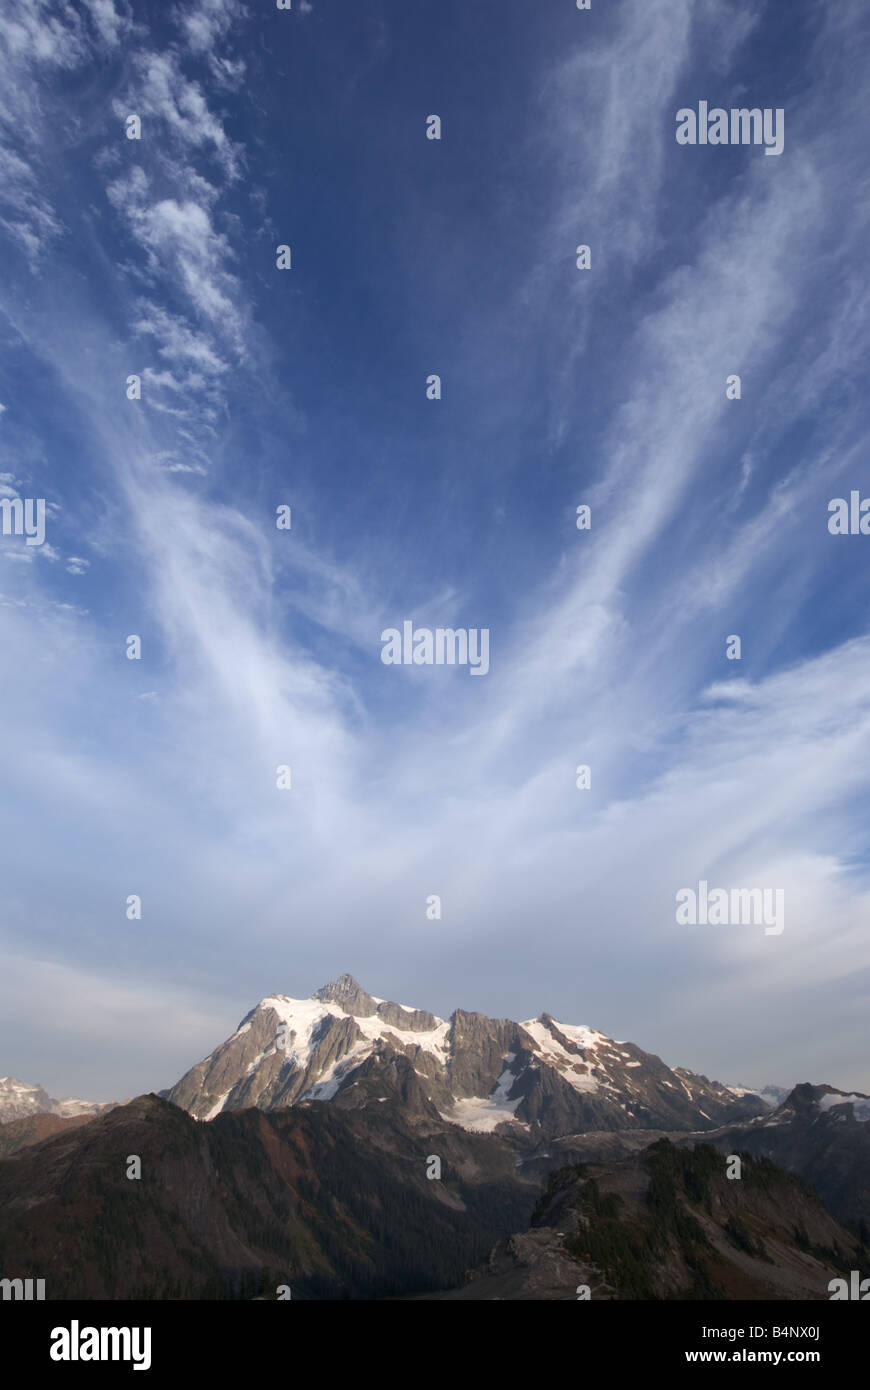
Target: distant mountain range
(19,1101)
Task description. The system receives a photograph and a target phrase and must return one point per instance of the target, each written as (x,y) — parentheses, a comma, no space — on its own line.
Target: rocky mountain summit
(529,1080)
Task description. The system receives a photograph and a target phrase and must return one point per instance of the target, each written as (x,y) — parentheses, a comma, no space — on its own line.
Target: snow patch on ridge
(587,1038)
(216,1108)
(330,1081)
(434,1040)
(303,1015)
(481,1115)
(569,1066)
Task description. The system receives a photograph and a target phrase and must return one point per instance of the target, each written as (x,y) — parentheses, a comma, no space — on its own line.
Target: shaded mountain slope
(668,1224)
(332,1201)
(821,1134)
(32,1130)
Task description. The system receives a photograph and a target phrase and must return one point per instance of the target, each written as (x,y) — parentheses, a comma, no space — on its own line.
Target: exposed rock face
(252,1069)
(353,1000)
(479,1047)
(347,994)
(532,1080)
(415,1021)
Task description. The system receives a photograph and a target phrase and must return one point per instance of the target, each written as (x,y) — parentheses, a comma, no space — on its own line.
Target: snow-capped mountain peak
(539,1077)
(19,1100)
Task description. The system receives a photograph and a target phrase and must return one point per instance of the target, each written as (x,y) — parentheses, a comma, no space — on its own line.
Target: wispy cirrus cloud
(181,236)
(178,104)
(262,649)
(209,22)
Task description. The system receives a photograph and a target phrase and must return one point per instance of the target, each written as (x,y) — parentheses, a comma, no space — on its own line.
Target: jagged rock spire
(348,995)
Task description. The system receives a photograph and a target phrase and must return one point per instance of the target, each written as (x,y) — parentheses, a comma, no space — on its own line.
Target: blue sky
(307,387)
